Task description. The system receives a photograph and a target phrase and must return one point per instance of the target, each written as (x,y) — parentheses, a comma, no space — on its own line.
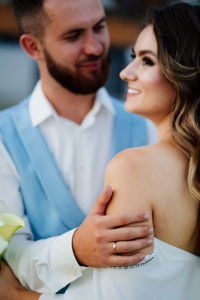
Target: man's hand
(95,240)
(11,288)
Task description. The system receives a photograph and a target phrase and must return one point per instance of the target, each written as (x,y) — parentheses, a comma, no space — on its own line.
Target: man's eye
(99,28)
(73,36)
(148,61)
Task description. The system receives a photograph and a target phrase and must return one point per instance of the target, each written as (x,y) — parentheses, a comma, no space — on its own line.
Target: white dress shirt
(48,265)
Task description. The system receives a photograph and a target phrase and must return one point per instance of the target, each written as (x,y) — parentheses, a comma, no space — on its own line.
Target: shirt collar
(104,99)
(40,108)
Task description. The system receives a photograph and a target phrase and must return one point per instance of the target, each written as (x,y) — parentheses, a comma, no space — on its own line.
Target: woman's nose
(128,73)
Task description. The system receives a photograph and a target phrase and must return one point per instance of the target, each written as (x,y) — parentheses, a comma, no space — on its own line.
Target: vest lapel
(46,169)
(122,134)
(130,130)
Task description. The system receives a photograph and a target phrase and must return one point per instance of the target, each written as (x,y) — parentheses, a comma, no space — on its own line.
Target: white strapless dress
(169,273)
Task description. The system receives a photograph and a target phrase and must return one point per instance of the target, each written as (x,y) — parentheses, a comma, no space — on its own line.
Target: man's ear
(31,45)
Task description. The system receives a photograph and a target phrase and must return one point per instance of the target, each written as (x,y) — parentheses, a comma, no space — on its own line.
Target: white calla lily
(3,245)
(9,223)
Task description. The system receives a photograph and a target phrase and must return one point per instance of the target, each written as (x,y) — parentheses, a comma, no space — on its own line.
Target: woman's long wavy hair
(177,30)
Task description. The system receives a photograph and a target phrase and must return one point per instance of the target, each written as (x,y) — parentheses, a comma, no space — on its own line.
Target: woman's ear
(31,45)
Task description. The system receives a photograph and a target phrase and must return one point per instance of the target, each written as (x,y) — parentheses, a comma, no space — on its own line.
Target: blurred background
(18,72)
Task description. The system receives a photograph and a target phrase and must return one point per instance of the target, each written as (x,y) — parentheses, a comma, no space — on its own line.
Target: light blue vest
(48,202)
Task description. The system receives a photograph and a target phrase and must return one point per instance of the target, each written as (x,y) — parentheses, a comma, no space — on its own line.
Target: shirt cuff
(52,297)
(63,262)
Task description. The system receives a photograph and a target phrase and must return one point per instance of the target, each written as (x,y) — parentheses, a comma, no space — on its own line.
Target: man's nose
(92,45)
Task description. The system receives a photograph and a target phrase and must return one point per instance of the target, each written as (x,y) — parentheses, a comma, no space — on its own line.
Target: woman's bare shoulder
(128,175)
(144,175)
(149,162)
(131,161)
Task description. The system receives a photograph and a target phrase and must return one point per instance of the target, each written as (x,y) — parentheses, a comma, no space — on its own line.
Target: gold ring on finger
(114,247)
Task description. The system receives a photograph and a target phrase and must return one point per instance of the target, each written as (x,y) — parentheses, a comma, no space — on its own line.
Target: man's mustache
(91,58)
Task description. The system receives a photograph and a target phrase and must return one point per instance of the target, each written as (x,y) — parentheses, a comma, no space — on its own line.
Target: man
(56,147)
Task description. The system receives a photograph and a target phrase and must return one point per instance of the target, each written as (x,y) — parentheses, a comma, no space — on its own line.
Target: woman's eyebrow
(147,51)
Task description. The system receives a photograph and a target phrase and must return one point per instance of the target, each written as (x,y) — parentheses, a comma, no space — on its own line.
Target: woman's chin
(130,107)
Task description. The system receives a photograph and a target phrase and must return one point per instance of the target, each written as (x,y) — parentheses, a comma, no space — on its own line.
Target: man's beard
(76,81)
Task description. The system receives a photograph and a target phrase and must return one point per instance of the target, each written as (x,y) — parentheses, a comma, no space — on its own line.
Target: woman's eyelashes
(146,60)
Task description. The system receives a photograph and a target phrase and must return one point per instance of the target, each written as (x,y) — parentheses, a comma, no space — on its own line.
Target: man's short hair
(30,16)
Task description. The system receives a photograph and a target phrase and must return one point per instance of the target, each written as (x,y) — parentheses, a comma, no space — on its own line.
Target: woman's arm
(127,175)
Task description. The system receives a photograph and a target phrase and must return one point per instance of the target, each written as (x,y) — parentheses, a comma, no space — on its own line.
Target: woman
(164,178)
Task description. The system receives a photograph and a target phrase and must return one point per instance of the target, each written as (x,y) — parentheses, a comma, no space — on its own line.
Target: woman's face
(149,94)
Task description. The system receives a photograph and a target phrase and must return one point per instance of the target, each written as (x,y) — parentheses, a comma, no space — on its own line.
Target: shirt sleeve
(54,297)
(82,288)
(46,265)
